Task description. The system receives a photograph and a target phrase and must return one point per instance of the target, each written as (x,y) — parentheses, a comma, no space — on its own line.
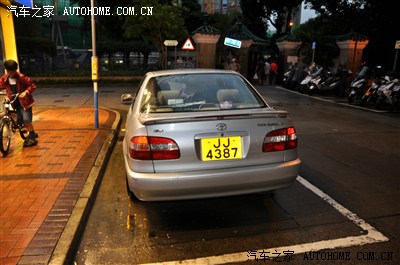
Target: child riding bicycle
(14,82)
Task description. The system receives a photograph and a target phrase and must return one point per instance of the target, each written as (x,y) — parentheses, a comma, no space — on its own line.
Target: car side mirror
(127,98)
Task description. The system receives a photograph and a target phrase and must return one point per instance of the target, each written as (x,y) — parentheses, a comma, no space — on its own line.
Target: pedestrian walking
(14,82)
(234,65)
(267,69)
(273,72)
(260,70)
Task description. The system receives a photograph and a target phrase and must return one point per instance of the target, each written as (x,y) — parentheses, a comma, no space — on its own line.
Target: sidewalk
(47,190)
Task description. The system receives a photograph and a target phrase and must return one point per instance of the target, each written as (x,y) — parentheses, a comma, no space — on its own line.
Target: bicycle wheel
(5,133)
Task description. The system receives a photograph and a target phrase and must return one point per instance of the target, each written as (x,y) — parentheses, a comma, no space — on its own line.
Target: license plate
(222,148)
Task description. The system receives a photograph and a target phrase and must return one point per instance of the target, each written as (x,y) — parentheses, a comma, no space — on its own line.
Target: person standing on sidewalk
(14,82)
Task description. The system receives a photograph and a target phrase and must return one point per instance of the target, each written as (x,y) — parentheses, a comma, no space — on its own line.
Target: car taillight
(280,140)
(153,148)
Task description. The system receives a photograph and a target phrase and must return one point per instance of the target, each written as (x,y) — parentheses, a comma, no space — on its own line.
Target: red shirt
(23,83)
(273,68)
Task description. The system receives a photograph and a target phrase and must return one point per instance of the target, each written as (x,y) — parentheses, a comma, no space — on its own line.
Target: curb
(64,251)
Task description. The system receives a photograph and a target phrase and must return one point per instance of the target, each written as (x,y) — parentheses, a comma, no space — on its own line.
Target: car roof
(189,71)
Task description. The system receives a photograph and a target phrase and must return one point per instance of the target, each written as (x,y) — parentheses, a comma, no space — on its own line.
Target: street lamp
(290,27)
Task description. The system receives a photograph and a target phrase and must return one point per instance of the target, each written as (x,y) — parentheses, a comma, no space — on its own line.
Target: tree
(28,41)
(254,17)
(109,26)
(166,22)
(192,14)
(223,22)
(277,12)
(110,31)
(372,18)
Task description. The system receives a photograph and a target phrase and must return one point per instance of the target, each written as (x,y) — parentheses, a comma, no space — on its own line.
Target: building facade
(220,6)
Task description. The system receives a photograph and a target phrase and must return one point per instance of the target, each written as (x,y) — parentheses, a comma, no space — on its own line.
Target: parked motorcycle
(287,77)
(311,72)
(317,81)
(296,76)
(388,94)
(329,82)
(371,94)
(358,85)
(395,94)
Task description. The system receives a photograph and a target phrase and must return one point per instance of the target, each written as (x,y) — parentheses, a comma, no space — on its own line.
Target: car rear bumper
(212,183)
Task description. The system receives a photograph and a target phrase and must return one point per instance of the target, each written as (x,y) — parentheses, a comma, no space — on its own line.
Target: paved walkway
(45,190)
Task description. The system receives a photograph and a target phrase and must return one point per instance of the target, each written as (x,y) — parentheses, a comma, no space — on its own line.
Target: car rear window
(198,92)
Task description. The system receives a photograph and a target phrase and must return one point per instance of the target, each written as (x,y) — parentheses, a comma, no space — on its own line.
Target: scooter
(371,94)
(329,81)
(287,77)
(395,94)
(317,80)
(385,93)
(310,74)
(331,84)
(358,84)
(334,80)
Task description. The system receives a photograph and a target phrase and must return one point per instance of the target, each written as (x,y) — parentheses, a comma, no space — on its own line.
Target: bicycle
(9,125)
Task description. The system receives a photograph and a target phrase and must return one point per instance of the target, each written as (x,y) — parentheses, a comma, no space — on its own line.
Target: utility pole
(95,67)
(56,33)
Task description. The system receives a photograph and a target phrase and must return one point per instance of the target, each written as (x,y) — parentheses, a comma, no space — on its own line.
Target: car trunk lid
(209,140)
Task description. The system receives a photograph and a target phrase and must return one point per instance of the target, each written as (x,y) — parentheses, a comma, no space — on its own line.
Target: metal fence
(78,62)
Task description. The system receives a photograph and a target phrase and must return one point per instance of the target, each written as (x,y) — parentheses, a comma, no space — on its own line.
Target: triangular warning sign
(188,45)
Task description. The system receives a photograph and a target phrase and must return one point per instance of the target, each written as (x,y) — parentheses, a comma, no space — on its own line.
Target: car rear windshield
(198,92)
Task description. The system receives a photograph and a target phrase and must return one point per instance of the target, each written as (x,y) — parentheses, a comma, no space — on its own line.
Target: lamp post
(95,64)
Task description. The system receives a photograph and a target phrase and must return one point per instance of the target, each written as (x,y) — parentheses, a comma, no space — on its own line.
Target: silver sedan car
(200,133)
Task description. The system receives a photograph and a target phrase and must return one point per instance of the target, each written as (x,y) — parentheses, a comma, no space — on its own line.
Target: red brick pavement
(40,185)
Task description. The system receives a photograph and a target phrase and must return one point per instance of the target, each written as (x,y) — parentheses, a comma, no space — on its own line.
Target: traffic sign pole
(166,58)
(166,44)
(188,46)
(175,56)
(397,47)
(314,44)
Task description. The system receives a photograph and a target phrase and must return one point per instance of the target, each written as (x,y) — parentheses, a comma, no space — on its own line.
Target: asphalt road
(344,208)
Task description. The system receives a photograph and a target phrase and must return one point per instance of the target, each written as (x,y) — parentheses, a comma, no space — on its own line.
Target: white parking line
(372,236)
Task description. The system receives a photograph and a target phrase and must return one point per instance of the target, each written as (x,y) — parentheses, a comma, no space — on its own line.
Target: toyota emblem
(221,126)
